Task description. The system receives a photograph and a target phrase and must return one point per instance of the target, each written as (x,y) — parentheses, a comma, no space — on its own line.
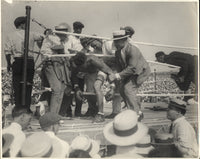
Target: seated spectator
(125,132)
(164,146)
(40,145)
(86,144)
(7,140)
(21,119)
(79,154)
(183,132)
(49,123)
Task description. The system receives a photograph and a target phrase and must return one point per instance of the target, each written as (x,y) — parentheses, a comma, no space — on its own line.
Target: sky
(167,23)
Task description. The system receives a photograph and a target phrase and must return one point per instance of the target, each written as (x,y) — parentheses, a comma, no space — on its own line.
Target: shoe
(79,115)
(140,116)
(111,116)
(99,118)
(191,101)
(87,114)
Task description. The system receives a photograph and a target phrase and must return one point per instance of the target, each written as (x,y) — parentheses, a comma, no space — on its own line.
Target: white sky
(169,23)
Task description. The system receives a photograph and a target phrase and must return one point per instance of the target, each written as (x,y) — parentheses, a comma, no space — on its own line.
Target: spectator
(188,70)
(183,133)
(40,144)
(79,154)
(86,144)
(125,132)
(49,123)
(21,119)
(7,140)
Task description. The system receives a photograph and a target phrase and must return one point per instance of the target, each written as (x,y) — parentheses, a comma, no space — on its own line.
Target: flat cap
(49,119)
(78,24)
(19,20)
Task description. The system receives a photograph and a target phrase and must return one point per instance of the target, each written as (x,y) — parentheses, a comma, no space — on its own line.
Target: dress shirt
(75,43)
(16,130)
(14,43)
(64,145)
(185,137)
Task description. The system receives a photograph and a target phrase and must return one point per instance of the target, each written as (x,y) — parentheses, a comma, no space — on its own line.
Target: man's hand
(110,94)
(112,77)
(79,95)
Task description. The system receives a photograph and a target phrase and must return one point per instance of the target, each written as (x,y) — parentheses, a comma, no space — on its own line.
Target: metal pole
(26,49)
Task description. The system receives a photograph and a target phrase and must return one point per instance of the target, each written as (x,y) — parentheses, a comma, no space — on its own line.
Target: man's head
(62,27)
(79,59)
(78,26)
(20,22)
(129,30)
(160,56)
(120,39)
(176,109)
(50,122)
(22,116)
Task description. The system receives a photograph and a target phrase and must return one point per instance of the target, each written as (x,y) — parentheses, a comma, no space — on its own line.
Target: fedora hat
(143,147)
(177,104)
(119,34)
(7,140)
(40,144)
(83,142)
(125,130)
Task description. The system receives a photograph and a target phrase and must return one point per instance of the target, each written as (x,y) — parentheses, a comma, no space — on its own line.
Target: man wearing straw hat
(183,133)
(56,68)
(125,132)
(133,70)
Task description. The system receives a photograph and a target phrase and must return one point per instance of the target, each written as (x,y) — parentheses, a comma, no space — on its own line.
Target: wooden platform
(76,126)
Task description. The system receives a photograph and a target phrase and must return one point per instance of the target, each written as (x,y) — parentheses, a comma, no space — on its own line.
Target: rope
(140,43)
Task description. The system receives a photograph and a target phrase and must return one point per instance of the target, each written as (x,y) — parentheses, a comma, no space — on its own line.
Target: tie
(170,128)
(119,59)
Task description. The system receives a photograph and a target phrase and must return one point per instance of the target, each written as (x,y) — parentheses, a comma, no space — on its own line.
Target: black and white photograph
(99,79)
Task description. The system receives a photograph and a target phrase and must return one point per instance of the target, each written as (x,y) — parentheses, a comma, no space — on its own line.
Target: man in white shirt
(56,68)
(21,119)
(50,123)
(183,132)
(14,51)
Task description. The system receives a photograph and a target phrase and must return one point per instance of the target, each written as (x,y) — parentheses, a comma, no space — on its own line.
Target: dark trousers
(17,77)
(78,102)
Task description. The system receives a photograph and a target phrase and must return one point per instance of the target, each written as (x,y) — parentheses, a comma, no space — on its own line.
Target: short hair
(17,111)
(160,53)
(79,58)
(19,20)
(79,154)
(78,25)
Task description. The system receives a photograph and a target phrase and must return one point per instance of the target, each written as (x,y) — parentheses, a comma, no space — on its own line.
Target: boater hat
(63,27)
(125,130)
(119,34)
(85,143)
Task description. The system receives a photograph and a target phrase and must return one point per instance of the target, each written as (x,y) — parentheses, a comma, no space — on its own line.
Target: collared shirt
(14,43)
(64,145)
(19,137)
(185,137)
(53,40)
(75,43)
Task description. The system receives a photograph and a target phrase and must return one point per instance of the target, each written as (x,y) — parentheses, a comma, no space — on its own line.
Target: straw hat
(125,130)
(163,139)
(119,34)
(85,143)
(63,27)
(41,145)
